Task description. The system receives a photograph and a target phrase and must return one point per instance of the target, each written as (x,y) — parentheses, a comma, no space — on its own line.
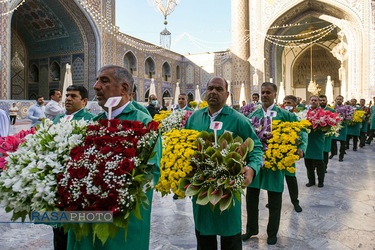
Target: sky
(208,22)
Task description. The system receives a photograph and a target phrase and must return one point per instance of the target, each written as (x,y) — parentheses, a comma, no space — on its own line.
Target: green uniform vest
(139,230)
(227,223)
(328,140)
(372,118)
(343,132)
(140,107)
(355,129)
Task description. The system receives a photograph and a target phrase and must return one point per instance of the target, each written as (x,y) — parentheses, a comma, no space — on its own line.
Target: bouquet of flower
(193,104)
(323,119)
(109,172)
(302,114)
(357,118)
(162,115)
(262,128)
(178,148)
(176,119)
(29,181)
(216,174)
(367,115)
(203,104)
(346,112)
(10,144)
(250,108)
(282,147)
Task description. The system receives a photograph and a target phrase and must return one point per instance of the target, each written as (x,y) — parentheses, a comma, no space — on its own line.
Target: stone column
(240,48)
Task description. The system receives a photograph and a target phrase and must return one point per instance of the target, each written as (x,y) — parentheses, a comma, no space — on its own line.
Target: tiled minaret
(240,48)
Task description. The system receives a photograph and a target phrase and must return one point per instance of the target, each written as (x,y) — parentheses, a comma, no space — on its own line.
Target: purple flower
(249,108)
(262,128)
(346,112)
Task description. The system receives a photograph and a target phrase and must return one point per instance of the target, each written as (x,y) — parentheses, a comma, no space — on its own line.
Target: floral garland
(282,147)
(178,148)
(217,176)
(10,144)
(109,172)
(29,182)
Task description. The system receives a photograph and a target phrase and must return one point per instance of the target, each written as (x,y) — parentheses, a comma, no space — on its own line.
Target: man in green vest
(117,81)
(136,104)
(342,136)
(372,124)
(354,131)
(364,129)
(76,100)
(75,103)
(327,140)
(314,152)
(227,224)
(272,181)
(290,103)
(182,102)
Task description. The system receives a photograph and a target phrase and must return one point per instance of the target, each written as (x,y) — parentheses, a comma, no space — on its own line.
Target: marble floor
(341,215)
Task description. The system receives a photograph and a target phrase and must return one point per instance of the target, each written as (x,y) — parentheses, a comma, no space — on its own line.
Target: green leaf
(113,230)
(183,183)
(232,155)
(249,144)
(218,157)
(210,151)
(192,190)
(202,198)
(214,195)
(101,230)
(234,146)
(238,195)
(225,137)
(137,211)
(238,139)
(34,170)
(226,202)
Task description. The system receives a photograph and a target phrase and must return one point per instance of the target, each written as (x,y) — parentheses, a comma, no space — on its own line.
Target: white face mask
(155,102)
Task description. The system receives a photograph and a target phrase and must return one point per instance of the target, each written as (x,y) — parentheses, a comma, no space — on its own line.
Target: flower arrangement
(203,104)
(263,130)
(367,115)
(301,114)
(250,108)
(109,172)
(29,182)
(346,112)
(178,148)
(193,104)
(358,117)
(216,175)
(10,144)
(323,119)
(282,147)
(176,119)
(162,115)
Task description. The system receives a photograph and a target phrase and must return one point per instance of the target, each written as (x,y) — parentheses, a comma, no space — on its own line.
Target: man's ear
(84,102)
(125,88)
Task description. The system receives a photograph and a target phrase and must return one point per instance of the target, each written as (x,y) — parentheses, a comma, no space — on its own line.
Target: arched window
(166,71)
(149,68)
(54,72)
(146,95)
(178,76)
(34,73)
(130,62)
(190,97)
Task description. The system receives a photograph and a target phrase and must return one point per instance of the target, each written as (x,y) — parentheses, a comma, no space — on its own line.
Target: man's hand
(249,175)
(40,119)
(300,153)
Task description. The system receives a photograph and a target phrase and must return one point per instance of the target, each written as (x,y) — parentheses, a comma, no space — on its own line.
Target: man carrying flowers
(272,181)
(314,152)
(343,131)
(75,103)
(327,139)
(354,128)
(227,224)
(118,81)
(364,130)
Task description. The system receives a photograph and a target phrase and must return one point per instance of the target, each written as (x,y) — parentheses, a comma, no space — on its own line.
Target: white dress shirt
(53,109)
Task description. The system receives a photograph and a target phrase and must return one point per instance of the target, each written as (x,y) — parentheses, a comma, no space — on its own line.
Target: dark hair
(82,90)
(134,89)
(322,96)
(340,96)
(183,94)
(52,92)
(270,84)
(291,97)
(121,75)
(256,94)
(314,96)
(38,96)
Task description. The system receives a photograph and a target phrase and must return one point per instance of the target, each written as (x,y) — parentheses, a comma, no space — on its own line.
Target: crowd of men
(314,148)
